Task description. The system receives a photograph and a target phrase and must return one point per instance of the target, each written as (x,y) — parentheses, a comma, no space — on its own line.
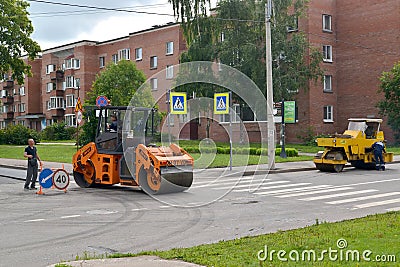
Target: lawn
(376,233)
(53,153)
(63,154)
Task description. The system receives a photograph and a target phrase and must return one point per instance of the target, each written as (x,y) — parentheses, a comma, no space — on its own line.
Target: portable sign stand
(54,179)
(222,103)
(288,116)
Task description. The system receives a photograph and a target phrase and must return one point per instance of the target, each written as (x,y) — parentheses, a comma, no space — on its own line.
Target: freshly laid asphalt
(221,205)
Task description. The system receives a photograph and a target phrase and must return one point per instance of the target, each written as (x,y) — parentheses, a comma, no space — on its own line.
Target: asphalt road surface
(40,230)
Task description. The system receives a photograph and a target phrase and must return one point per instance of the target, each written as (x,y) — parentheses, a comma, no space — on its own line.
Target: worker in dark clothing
(114,123)
(379,148)
(32,172)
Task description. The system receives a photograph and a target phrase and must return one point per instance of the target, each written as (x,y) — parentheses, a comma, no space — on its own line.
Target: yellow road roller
(120,155)
(353,146)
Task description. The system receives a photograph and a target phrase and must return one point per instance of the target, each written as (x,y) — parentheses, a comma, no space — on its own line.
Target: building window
(22,90)
(70,101)
(21,107)
(50,87)
(3,93)
(72,63)
(50,68)
(70,120)
(327,23)
(2,124)
(170,72)
(48,106)
(138,53)
(328,114)
(64,85)
(154,83)
(327,53)
(56,102)
(222,37)
(170,48)
(15,108)
(4,109)
(69,82)
(77,82)
(153,62)
(114,58)
(124,54)
(294,27)
(102,62)
(327,83)
(22,123)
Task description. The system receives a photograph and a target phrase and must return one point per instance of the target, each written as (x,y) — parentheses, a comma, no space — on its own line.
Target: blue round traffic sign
(46,178)
(102,101)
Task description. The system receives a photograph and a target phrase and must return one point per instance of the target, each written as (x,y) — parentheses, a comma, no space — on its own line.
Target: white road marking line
(374,182)
(232,183)
(223,180)
(297,189)
(35,220)
(70,216)
(316,192)
(394,209)
(139,209)
(339,195)
(342,201)
(378,203)
(255,185)
(269,187)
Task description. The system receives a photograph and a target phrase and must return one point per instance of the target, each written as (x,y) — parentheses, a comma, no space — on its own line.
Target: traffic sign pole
(230,131)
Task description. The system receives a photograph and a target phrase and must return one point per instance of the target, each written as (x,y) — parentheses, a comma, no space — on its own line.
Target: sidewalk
(148,261)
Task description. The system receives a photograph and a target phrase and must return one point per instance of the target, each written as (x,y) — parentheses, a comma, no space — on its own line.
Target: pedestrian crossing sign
(221,103)
(178,103)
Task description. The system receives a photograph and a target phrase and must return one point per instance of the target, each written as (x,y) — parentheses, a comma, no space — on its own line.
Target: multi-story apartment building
(65,72)
(359,40)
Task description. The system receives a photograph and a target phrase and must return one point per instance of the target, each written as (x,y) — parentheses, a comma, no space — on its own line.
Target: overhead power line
(101,8)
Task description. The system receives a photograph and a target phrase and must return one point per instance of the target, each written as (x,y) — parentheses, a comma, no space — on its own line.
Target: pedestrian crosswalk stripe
(297,189)
(253,184)
(339,195)
(317,192)
(237,183)
(378,203)
(348,200)
(394,209)
(271,187)
(230,180)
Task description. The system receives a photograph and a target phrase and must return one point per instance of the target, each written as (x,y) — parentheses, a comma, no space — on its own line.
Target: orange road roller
(120,155)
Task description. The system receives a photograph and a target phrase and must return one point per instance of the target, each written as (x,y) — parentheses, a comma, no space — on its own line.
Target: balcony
(8,84)
(57,112)
(59,92)
(8,100)
(57,75)
(9,115)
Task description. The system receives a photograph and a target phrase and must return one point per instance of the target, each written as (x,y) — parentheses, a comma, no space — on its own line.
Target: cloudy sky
(59,24)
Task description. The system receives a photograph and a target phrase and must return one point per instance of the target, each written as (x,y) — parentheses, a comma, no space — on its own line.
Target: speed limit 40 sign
(60,179)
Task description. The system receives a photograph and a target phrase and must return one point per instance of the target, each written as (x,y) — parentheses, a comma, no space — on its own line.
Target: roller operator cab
(155,169)
(354,146)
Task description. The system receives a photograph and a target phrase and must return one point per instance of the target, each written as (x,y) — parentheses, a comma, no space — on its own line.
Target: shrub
(290,152)
(58,131)
(18,135)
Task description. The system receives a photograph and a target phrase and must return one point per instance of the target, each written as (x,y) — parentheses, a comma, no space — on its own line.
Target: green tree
(390,105)
(15,41)
(235,36)
(119,83)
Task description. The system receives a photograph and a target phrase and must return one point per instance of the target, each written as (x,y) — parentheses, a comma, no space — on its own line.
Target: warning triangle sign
(221,104)
(178,103)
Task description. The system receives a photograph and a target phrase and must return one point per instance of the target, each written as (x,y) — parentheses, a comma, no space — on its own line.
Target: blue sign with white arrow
(46,178)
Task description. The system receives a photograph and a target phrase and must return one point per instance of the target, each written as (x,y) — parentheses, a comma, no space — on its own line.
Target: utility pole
(270,91)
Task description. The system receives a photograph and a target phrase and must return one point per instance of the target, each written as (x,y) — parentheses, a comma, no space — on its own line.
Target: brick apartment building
(51,94)
(359,40)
